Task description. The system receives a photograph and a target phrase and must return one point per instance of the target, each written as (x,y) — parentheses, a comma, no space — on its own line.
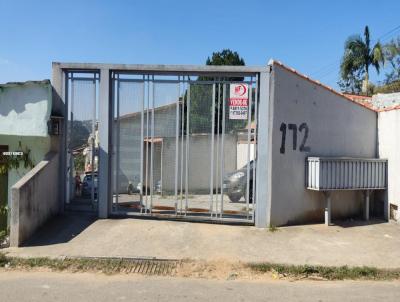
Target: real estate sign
(238,101)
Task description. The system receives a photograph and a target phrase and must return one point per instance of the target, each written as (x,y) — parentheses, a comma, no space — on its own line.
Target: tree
(359,56)
(392,56)
(352,83)
(201,95)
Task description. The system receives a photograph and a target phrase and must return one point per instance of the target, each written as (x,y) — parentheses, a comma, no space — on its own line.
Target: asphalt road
(44,286)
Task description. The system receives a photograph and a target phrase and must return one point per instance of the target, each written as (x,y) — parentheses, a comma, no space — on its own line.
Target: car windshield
(251,165)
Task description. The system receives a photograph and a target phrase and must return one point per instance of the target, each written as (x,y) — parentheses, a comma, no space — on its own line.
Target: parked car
(88,183)
(235,183)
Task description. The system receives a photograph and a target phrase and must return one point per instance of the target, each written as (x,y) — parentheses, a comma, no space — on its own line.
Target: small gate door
(82,141)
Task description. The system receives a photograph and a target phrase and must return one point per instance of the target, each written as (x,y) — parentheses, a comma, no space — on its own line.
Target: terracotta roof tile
(368,106)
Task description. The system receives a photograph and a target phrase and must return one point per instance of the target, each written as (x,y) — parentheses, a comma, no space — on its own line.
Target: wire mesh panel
(184,146)
(127,143)
(82,140)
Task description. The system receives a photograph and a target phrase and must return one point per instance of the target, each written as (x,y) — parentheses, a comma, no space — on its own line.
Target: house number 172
(303,128)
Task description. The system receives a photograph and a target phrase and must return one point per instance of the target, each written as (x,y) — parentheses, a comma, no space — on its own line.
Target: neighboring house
(388,107)
(25,111)
(164,144)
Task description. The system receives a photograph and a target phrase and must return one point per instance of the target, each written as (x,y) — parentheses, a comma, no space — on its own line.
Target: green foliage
(358,57)
(79,162)
(80,132)
(352,82)
(327,272)
(225,57)
(3,210)
(272,228)
(392,56)
(201,97)
(15,162)
(388,88)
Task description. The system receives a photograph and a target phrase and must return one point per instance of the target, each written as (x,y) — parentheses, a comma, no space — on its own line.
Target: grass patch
(103,265)
(272,228)
(327,272)
(116,265)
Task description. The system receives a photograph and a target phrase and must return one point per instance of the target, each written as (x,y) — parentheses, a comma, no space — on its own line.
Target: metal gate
(81,140)
(184,145)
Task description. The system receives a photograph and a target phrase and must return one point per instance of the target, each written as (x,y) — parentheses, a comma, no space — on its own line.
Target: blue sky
(307,35)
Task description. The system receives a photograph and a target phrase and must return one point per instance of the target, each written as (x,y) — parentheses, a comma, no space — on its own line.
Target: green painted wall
(39,146)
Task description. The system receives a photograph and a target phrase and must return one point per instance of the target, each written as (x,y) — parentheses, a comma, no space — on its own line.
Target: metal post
(327,208)
(104,178)
(69,153)
(217,160)
(177,145)
(222,148)
(248,148)
(212,151)
(117,134)
(152,148)
(366,208)
(187,150)
(255,144)
(93,139)
(182,137)
(147,142)
(142,145)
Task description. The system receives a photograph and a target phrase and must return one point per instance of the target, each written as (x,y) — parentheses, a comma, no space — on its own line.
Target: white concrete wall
(25,108)
(130,136)
(199,162)
(337,127)
(34,199)
(242,154)
(389,148)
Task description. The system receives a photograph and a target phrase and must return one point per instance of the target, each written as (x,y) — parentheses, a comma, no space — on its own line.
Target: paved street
(44,287)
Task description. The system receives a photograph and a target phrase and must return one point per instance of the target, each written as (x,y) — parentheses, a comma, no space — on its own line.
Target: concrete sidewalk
(354,244)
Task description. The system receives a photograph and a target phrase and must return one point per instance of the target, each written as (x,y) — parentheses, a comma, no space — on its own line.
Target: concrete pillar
(104,143)
(366,206)
(263,171)
(59,106)
(328,208)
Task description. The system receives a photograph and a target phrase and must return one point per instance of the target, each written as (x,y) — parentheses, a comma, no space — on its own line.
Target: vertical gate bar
(212,150)
(93,139)
(117,163)
(161,168)
(147,142)
(187,149)
(218,143)
(142,144)
(71,158)
(66,180)
(248,148)
(152,146)
(182,137)
(222,148)
(177,145)
(255,143)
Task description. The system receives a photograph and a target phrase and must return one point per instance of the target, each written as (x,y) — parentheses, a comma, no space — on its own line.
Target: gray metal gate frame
(60,70)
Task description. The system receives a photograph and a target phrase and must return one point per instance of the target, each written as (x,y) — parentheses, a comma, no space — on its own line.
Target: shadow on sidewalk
(61,228)
(349,223)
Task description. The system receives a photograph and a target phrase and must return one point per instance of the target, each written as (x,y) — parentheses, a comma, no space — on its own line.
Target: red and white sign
(238,101)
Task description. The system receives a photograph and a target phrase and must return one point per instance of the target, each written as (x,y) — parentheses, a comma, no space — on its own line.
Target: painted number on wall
(293,129)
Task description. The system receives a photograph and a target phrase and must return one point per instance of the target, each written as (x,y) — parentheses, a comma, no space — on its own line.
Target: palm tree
(358,56)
